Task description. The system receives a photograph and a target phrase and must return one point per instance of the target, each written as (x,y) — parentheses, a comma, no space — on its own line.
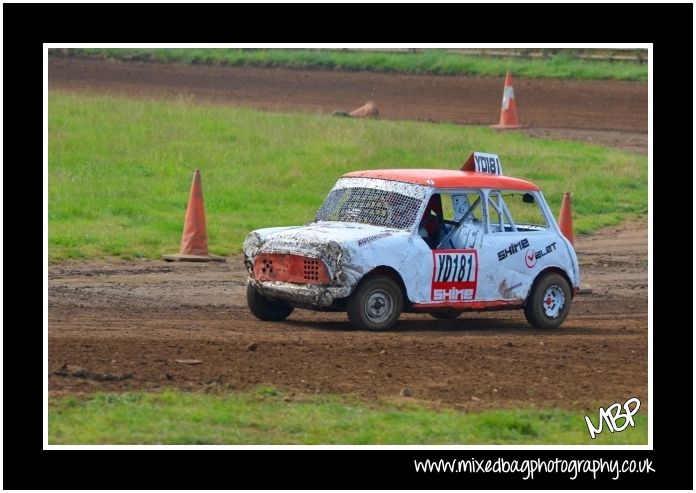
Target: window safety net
(370,206)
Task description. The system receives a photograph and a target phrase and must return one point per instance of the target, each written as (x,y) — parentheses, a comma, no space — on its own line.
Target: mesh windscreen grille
(370,206)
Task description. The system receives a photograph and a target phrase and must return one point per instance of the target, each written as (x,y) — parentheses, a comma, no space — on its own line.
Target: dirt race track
(610,113)
(125,325)
(129,325)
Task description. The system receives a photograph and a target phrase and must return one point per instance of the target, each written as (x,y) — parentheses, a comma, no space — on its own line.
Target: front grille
(290,268)
(311,270)
(267,266)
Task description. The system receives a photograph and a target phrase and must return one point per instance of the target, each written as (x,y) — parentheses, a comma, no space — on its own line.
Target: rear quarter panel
(510,262)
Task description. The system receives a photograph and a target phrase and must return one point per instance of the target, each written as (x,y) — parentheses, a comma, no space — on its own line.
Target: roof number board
(483,163)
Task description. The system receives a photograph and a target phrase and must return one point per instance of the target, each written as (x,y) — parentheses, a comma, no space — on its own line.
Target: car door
(450,264)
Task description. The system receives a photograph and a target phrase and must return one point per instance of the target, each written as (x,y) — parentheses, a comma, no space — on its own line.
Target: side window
(498,218)
(448,218)
(511,210)
(469,216)
(431,226)
(468,207)
(447,207)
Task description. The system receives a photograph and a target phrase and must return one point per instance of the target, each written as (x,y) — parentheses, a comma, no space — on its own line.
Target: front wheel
(376,304)
(266,309)
(549,302)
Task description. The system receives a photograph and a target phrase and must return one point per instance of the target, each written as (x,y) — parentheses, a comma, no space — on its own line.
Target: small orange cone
(508,111)
(194,240)
(565,220)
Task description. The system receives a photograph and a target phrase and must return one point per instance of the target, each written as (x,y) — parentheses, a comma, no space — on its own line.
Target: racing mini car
(418,240)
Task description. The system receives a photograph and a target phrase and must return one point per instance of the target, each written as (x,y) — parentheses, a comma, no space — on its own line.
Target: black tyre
(447,315)
(549,302)
(267,309)
(376,304)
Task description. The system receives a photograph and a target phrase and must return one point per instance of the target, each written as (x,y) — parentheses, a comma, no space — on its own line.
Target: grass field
(268,416)
(434,61)
(120,170)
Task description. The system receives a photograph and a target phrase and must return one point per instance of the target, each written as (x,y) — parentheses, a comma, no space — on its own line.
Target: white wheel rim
(553,301)
(379,306)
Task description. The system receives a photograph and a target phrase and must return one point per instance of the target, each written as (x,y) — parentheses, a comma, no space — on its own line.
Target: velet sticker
(455,274)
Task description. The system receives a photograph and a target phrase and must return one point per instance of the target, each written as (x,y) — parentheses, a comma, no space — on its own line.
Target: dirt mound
(369,109)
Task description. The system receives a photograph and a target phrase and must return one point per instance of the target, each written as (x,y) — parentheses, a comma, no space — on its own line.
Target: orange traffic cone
(565,220)
(194,240)
(508,112)
(565,223)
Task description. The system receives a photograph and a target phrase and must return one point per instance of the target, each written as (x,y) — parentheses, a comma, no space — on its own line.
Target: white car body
(477,264)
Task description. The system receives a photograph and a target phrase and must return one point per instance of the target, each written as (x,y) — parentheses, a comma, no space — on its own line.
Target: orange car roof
(443,178)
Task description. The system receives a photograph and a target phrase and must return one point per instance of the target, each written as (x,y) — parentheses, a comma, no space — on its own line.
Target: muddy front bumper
(306,294)
(298,279)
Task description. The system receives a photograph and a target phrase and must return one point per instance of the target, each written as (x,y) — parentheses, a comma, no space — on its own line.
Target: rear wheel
(549,302)
(446,315)
(376,304)
(267,309)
